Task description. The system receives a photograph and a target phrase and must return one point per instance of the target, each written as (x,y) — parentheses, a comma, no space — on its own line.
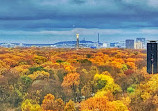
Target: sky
(50,21)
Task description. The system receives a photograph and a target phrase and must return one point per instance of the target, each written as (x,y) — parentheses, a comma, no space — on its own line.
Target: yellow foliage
(39,59)
(22,69)
(3,67)
(47,65)
(106,73)
(28,105)
(36,74)
(110,85)
(101,93)
(119,106)
(69,68)
(126,100)
(145,96)
(109,79)
(146,90)
(70,106)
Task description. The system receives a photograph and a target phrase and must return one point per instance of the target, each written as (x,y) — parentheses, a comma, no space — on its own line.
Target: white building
(138,45)
(105,45)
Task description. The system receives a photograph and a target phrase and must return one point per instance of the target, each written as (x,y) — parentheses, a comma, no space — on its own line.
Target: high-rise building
(152,57)
(130,44)
(143,40)
(138,45)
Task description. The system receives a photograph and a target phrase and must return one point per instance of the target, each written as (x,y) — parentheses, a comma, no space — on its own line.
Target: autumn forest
(47,79)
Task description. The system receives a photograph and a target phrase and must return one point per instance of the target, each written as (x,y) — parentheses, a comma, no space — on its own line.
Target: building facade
(143,40)
(138,45)
(130,44)
(152,57)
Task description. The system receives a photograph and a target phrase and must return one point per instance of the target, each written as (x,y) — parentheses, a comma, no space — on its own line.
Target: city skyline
(49,21)
(49,37)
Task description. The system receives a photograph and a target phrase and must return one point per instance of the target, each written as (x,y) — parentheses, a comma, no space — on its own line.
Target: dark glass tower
(152,57)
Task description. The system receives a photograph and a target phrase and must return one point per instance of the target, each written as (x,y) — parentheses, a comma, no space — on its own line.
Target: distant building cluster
(140,43)
(120,44)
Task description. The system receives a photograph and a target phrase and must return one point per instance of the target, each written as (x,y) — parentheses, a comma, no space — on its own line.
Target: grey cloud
(48,14)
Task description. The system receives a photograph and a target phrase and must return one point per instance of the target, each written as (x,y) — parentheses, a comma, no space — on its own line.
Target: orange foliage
(71,79)
(50,104)
(75,70)
(131,65)
(97,103)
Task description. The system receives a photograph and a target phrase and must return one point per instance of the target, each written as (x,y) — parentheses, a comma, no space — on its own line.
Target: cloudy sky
(49,21)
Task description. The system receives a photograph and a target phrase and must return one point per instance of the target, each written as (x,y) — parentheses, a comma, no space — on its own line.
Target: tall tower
(98,38)
(152,57)
(77,37)
(98,41)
